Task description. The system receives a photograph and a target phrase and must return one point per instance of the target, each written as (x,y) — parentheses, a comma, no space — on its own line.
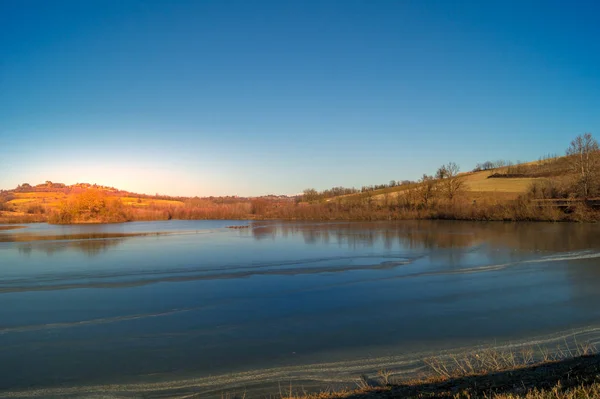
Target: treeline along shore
(553,188)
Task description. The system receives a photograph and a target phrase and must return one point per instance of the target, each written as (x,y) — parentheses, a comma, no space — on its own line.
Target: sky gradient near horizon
(257,97)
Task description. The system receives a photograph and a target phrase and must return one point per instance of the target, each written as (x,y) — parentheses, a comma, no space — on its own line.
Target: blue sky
(257,97)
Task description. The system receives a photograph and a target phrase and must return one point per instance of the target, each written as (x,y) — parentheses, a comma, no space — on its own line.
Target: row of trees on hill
(47,186)
(391,184)
(446,183)
(545,166)
(440,195)
(490,165)
(312,195)
(578,174)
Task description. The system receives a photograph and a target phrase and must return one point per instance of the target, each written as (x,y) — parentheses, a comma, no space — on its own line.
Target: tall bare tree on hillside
(585,161)
(451,183)
(425,190)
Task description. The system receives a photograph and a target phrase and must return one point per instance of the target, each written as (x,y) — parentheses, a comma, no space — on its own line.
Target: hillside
(35,203)
(553,188)
(498,183)
(480,186)
(92,203)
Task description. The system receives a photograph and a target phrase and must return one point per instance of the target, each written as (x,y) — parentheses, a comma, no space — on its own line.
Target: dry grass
(477,186)
(581,391)
(567,372)
(41,194)
(225,395)
(17,201)
(385,376)
(503,185)
(490,196)
(23,201)
(53,200)
(557,392)
(492,360)
(135,201)
(20,217)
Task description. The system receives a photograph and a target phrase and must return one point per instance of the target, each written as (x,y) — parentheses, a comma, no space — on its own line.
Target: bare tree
(451,182)
(310,195)
(425,191)
(585,161)
(441,172)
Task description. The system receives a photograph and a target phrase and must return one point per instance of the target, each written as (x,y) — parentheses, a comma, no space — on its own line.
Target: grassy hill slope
(503,192)
(499,184)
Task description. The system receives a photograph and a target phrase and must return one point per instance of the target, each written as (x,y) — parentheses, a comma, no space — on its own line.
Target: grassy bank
(115,212)
(577,378)
(490,374)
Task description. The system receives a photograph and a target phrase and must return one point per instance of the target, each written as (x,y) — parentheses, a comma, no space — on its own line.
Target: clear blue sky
(256,97)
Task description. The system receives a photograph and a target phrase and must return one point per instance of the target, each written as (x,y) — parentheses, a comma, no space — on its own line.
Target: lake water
(165,308)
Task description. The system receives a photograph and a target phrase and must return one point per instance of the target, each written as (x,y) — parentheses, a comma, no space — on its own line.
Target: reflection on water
(91,247)
(421,234)
(202,307)
(408,234)
(27,237)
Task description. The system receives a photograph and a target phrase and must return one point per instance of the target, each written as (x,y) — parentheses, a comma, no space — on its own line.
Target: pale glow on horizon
(279,101)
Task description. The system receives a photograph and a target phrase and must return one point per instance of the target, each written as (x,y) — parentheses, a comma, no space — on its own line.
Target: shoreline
(472,372)
(575,378)
(501,376)
(17,221)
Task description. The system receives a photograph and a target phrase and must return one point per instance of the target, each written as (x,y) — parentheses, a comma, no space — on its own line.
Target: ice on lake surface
(194,305)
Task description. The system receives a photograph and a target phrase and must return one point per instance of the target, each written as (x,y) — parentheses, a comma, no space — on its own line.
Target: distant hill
(36,203)
(489,180)
(492,191)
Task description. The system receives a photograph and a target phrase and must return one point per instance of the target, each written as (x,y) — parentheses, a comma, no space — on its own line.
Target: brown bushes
(35,209)
(523,209)
(95,207)
(91,206)
(197,211)
(10,218)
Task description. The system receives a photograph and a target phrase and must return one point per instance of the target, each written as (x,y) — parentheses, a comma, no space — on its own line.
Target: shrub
(92,206)
(35,209)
